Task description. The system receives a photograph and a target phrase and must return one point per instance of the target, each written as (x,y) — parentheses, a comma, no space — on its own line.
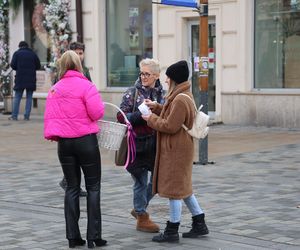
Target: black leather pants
(76,153)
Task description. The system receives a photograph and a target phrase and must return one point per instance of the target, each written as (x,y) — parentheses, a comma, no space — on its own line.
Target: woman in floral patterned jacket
(147,86)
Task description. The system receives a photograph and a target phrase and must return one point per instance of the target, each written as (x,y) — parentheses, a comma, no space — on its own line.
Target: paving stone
(249,195)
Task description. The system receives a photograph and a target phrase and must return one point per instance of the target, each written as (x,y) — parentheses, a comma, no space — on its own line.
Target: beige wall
(268,109)
(94,39)
(16,31)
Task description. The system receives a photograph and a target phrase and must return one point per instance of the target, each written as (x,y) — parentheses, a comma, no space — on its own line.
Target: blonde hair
(152,64)
(68,61)
(171,87)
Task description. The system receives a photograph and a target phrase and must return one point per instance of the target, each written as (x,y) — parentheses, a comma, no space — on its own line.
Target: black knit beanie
(178,72)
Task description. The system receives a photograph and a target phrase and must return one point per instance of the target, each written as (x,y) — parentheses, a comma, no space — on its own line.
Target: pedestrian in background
(147,86)
(79,48)
(73,107)
(175,153)
(25,62)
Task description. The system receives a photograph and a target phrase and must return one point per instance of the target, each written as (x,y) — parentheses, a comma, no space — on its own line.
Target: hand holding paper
(144,109)
(150,104)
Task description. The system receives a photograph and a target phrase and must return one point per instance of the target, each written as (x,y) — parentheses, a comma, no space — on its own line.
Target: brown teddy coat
(172,177)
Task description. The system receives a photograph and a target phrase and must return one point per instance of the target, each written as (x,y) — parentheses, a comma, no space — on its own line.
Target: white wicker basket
(112,133)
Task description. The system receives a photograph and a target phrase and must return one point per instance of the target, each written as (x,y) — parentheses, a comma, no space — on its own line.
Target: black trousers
(76,153)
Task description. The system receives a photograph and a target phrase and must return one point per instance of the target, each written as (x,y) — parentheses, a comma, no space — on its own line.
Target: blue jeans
(176,207)
(142,192)
(17,101)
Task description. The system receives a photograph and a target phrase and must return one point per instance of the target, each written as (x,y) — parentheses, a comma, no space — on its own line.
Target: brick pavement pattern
(250,195)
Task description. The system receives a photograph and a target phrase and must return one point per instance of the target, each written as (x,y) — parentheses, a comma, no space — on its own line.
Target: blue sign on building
(184,3)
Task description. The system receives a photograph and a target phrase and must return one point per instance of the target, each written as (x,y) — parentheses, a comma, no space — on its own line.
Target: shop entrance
(194,55)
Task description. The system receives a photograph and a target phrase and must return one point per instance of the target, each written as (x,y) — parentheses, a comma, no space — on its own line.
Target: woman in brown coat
(172,177)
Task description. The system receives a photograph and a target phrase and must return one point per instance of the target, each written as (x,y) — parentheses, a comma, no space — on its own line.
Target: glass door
(194,58)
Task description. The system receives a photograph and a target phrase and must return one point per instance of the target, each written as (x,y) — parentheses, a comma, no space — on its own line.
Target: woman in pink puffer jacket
(73,107)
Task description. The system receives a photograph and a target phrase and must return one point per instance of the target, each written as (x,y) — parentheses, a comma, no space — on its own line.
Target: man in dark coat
(25,62)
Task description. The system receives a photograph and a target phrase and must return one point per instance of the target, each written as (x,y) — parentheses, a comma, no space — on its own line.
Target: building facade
(254,51)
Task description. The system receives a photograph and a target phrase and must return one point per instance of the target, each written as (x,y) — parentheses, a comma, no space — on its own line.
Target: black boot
(169,235)
(198,227)
(98,242)
(76,242)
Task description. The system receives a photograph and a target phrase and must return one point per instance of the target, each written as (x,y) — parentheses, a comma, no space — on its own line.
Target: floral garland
(57,24)
(4,39)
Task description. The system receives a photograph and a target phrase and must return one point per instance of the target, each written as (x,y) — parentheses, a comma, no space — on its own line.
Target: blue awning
(184,3)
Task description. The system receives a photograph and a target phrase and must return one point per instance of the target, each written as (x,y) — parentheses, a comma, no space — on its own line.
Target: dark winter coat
(144,159)
(86,72)
(25,62)
(172,176)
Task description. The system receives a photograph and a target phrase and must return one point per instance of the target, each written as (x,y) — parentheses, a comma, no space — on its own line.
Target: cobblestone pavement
(250,194)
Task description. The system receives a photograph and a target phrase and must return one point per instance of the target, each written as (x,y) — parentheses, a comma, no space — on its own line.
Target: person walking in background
(79,48)
(25,62)
(147,86)
(172,177)
(73,107)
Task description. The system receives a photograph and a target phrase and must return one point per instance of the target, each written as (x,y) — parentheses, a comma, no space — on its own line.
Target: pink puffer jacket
(73,107)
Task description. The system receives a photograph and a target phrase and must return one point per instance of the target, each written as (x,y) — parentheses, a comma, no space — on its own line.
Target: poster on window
(133,27)
(196,63)
(203,67)
(134,39)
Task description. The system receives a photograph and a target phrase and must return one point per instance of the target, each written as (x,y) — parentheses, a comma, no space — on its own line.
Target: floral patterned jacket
(134,116)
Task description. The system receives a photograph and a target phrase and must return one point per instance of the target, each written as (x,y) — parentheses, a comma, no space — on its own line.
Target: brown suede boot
(145,224)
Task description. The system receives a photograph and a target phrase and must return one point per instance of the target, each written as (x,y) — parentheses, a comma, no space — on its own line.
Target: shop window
(35,33)
(277,44)
(129,39)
